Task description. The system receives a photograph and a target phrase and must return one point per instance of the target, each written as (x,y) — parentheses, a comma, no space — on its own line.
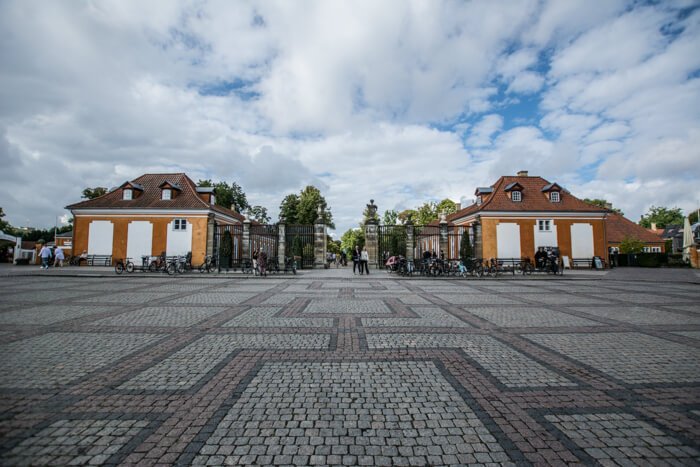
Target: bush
(465,249)
(225,250)
(651,260)
(296,246)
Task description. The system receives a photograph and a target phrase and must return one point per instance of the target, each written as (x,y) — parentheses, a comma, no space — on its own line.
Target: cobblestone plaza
(329,369)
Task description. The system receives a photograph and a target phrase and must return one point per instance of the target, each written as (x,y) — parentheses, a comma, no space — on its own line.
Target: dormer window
(128,194)
(554,197)
(516,196)
(166,194)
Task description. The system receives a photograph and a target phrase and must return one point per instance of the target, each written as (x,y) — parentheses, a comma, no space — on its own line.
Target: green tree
(465,249)
(228,195)
(90,193)
(390,217)
(289,209)
(403,215)
(351,238)
(259,213)
(225,250)
(631,244)
(662,216)
(427,213)
(4,225)
(333,245)
(446,205)
(693,217)
(297,249)
(309,200)
(602,203)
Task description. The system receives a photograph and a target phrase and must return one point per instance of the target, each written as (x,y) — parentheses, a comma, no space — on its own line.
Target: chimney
(522,173)
(653,226)
(458,206)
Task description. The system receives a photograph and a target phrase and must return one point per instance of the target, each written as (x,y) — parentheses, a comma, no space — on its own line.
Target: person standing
(58,261)
(364,261)
(356,259)
(262,262)
(256,252)
(45,255)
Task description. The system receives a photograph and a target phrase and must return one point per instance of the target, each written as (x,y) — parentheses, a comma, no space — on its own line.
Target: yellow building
(518,214)
(151,214)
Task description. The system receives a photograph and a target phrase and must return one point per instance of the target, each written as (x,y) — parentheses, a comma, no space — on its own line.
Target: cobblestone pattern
(75,442)
(429,317)
(56,359)
(365,413)
(50,314)
(265,317)
(161,316)
(630,357)
(622,439)
(186,367)
(508,366)
(329,369)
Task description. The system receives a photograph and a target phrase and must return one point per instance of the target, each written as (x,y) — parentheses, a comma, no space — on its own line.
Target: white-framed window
(544,225)
(554,197)
(166,194)
(652,249)
(179,224)
(478,200)
(516,196)
(128,194)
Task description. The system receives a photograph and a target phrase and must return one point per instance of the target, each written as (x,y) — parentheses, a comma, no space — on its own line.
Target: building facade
(151,214)
(619,227)
(518,214)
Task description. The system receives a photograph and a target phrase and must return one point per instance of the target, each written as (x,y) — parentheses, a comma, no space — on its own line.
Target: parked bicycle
(208,265)
(124,265)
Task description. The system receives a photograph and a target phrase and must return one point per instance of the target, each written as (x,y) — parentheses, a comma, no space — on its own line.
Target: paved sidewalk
(328,368)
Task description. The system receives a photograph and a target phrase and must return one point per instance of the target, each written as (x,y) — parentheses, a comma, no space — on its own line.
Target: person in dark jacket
(356,259)
(262,262)
(540,257)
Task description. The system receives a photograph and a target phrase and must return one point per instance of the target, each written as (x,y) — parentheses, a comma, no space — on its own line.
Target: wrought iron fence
(264,237)
(392,240)
(427,238)
(233,258)
(299,241)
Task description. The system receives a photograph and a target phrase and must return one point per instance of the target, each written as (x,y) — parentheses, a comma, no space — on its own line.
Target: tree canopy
(693,217)
(259,213)
(662,217)
(602,203)
(351,238)
(390,217)
(4,225)
(631,244)
(302,208)
(91,193)
(228,195)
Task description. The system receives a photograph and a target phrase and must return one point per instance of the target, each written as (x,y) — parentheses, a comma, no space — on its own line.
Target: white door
(508,240)
(179,239)
(100,238)
(581,241)
(139,240)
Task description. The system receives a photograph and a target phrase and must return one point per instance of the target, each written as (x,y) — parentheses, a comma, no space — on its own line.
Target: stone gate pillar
(281,243)
(372,235)
(211,229)
(444,236)
(246,238)
(320,238)
(410,235)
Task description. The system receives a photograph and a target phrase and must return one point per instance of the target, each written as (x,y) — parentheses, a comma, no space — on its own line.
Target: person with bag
(262,262)
(364,261)
(356,259)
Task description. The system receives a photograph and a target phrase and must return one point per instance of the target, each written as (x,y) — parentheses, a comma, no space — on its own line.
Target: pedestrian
(364,261)
(58,261)
(256,253)
(262,262)
(45,255)
(356,259)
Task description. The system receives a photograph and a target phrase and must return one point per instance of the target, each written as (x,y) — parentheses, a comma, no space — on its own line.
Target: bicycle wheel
(152,267)
(171,269)
(180,268)
(129,267)
(119,268)
(479,270)
(517,269)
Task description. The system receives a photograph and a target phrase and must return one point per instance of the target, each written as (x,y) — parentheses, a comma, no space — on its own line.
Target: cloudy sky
(400,101)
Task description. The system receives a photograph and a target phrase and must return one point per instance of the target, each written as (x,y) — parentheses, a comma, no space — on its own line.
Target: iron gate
(299,241)
(427,238)
(266,238)
(455,236)
(234,258)
(392,241)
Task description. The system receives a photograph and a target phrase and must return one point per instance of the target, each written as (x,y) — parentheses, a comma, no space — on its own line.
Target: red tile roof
(533,199)
(617,227)
(187,198)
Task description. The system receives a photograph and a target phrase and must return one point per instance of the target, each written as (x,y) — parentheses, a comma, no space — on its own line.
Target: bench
(509,264)
(585,263)
(99,260)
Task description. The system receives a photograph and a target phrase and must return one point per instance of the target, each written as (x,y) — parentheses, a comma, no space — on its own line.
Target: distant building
(675,234)
(618,227)
(151,214)
(518,214)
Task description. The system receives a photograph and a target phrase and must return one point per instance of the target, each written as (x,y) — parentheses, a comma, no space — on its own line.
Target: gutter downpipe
(605,238)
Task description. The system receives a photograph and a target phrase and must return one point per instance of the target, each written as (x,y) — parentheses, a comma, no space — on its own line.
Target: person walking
(256,252)
(356,259)
(364,261)
(262,262)
(45,255)
(58,261)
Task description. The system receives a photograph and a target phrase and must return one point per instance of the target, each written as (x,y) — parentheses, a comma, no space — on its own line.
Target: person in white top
(45,255)
(58,261)
(364,260)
